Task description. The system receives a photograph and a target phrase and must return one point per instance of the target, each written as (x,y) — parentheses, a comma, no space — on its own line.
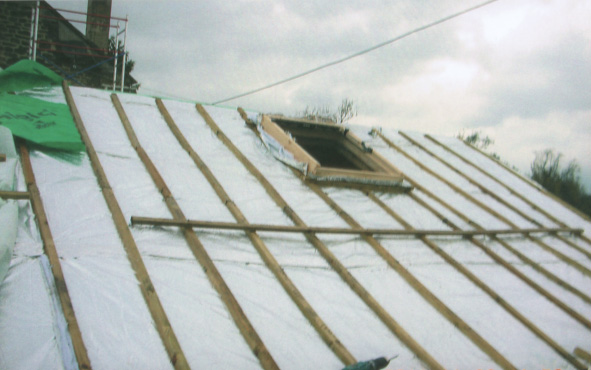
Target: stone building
(61,46)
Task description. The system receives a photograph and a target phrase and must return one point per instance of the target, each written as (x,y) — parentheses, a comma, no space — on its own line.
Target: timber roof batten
(176,232)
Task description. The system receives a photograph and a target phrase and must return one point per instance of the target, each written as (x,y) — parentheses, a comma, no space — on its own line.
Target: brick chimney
(99,11)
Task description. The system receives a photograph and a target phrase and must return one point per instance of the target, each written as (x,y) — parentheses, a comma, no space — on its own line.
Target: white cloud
(518,139)
(437,98)
(517,69)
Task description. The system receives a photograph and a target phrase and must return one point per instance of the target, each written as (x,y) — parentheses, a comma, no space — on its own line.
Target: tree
(476,139)
(344,112)
(563,182)
(129,63)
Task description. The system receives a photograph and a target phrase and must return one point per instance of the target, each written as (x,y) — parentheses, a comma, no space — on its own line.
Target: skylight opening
(328,154)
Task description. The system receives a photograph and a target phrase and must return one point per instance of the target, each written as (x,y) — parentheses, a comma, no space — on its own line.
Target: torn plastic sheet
(279,152)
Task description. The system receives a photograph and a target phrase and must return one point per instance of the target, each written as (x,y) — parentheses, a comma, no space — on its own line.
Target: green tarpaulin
(44,123)
(27,74)
(39,121)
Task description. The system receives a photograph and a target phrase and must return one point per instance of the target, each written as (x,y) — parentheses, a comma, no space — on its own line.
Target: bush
(344,112)
(564,183)
(476,139)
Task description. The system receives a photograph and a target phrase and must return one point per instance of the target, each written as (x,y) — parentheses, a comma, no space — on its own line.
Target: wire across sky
(359,53)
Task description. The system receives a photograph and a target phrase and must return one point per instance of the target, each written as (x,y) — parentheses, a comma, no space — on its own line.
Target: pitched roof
(165,296)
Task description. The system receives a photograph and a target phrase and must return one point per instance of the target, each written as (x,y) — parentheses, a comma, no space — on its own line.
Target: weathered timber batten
(179,241)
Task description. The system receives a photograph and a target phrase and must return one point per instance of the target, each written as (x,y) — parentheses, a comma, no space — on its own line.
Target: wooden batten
(307,310)
(532,184)
(368,176)
(579,352)
(151,298)
(435,302)
(323,250)
(504,185)
(371,168)
(486,208)
(491,193)
(536,266)
(496,297)
(138,220)
(289,144)
(56,267)
(510,309)
(503,243)
(498,259)
(6,194)
(246,329)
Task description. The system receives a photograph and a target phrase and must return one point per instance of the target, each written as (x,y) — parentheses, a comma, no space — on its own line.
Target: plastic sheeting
(8,209)
(116,325)
(279,152)
(31,336)
(27,74)
(45,123)
(37,120)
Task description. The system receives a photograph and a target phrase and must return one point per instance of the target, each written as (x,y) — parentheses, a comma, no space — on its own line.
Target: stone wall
(65,57)
(15,29)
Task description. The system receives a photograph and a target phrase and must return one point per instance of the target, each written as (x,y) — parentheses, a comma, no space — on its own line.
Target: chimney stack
(99,11)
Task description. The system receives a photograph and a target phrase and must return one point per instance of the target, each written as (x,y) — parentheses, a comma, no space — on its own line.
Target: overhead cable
(365,51)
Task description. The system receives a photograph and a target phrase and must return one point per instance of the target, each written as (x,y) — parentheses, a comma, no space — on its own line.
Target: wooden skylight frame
(332,154)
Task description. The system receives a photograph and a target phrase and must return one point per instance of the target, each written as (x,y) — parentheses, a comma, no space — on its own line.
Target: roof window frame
(374,169)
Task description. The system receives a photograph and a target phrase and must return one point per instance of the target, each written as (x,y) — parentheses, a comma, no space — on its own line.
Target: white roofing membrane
(118,330)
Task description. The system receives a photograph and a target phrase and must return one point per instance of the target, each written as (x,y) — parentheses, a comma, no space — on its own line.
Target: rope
(365,51)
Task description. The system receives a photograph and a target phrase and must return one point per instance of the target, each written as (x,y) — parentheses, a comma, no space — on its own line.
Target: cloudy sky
(519,71)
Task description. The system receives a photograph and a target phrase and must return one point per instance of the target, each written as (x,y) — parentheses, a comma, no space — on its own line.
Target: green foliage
(342,114)
(476,139)
(563,182)
(129,64)
(130,82)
